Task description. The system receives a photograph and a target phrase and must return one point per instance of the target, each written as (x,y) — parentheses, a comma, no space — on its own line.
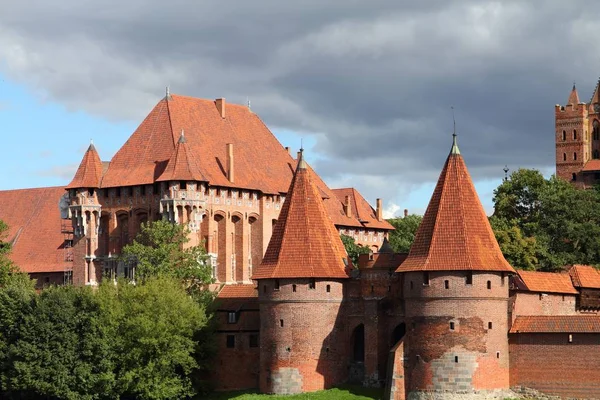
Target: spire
(89,173)
(386,247)
(168,94)
(182,165)
(305,242)
(301,162)
(574,96)
(455,233)
(454,150)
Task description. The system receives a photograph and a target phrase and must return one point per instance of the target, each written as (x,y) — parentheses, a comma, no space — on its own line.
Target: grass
(346,392)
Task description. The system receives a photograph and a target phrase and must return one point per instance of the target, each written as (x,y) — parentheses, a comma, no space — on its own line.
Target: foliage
(154,325)
(353,249)
(559,224)
(345,392)
(160,250)
(404,234)
(9,272)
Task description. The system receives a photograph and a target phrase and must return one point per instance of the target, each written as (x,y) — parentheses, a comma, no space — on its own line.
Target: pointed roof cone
(305,242)
(182,165)
(89,173)
(573,97)
(386,247)
(455,233)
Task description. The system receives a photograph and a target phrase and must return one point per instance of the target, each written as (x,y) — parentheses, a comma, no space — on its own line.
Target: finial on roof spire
(454,149)
(248,102)
(167,93)
(182,137)
(301,162)
(92,147)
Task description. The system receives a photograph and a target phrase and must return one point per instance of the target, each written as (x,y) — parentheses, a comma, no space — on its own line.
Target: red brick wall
(543,304)
(550,364)
(568,120)
(472,356)
(47,278)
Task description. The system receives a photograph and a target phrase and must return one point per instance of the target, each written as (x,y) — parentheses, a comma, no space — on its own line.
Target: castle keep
(450,319)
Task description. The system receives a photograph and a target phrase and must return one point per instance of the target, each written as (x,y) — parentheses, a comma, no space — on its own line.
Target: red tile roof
(573,96)
(546,282)
(182,165)
(305,242)
(455,233)
(236,297)
(361,209)
(585,276)
(556,324)
(591,166)
(34,224)
(90,171)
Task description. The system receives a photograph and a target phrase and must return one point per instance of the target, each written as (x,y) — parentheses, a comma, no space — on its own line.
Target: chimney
(287,149)
(405,213)
(347,207)
(230,162)
(220,103)
(379,209)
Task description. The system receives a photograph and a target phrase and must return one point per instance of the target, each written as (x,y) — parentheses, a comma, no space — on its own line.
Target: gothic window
(564,136)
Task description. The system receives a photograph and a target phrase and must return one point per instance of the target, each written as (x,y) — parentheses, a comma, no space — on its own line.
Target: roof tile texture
(556,324)
(361,209)
(455,233)
(182,166)
(34,224)
(305,242)
(546,282)
(585,276)
(89,173)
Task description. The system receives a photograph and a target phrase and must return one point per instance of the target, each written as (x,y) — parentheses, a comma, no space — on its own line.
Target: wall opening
(489,284)
(469,278)
(230,341)
(328,288)
(294,288)
(358,344)
(447,284)
(451,326)
(398,333)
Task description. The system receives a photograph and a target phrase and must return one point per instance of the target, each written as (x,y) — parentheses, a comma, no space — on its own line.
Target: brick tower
(573,146)
(85,213)
(455,287)
(300,288)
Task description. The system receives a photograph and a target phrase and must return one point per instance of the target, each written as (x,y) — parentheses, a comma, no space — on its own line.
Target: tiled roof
(236,297)
(591,166)
(546,282)
(361,209)
(305,242)
(573,96)
(556,324)
(90,171)
(585,276)
(34,224)
(182,165)
(455,233)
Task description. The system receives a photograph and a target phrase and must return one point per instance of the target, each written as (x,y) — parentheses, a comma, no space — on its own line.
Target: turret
(573,145)
(301,287)
(85,213)
(455,287)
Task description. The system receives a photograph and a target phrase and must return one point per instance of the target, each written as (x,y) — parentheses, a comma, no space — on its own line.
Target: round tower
(301,287)
(455,287)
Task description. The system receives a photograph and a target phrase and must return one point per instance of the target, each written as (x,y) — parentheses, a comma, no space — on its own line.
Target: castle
(451,319)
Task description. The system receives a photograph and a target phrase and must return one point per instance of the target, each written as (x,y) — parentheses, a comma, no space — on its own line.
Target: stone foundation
(471,395)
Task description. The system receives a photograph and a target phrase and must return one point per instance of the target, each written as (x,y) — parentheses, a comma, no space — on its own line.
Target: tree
(160,250)
(155,325)
(353,249)
(9,272)
(520,252)
(405,229)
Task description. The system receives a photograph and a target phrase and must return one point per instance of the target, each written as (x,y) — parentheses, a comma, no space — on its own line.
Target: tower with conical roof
(301,288)
(85,213)
(455,288)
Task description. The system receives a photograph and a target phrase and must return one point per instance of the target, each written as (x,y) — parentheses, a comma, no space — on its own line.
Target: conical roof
(455,233)
(182,165)
(89,173)
(573,96)
(305,242)
(386,247)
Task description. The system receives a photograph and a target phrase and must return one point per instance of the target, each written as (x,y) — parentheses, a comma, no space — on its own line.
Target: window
(574,134)
(143,190)
(455,359)
(294,288)
(574,156)
(595,130)
(447,284)
(489,325)
(281,323)
(118,193)
(426,278)
(570,338)
(489,284)
(595,154)
(411,284)
(563,297)
(564,156)
(312,284)
(68,277)
(182,185)
(451,326)
(328,288)
(91,192)
(231,317)
(372,288)
(564,135)
(230,341)
(573,177)
(276,287)
(264,288)
(253,340)
(47,279)
(497,354)
(469,278)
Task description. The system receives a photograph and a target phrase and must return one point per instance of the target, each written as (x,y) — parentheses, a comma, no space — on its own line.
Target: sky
(367,86)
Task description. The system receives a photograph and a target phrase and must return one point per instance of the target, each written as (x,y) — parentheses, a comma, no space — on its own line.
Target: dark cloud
(373,81)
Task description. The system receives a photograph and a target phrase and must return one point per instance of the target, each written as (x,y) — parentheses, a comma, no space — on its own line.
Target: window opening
(469,278)
(230,341)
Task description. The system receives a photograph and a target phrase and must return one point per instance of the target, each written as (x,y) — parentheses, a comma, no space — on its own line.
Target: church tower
(573,145)
(455,288)
(301,284)
(85,213)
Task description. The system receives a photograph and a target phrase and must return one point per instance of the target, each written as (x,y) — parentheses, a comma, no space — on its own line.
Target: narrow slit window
(411,284)
(312,284)
(276,287)
(469,278)
(574,134)
(564,136)
(489,284)
(328,288)
(489,325)
(455,359)
(426,278)
(451,326)
(447,284)
(564,156)
(497,354)
(281,323)
(294,288)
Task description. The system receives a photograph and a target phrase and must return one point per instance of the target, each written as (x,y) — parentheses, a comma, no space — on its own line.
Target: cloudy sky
(368,85)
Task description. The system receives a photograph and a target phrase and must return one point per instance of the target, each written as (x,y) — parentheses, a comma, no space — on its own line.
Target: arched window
(564,156)
(564,135)
(574,134)
(575,156)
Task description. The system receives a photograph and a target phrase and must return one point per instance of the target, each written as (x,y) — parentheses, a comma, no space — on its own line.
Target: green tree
(9,272)
(155,325)
(405,229)
(520,252)
(353,249)
(63,348)
(160,250)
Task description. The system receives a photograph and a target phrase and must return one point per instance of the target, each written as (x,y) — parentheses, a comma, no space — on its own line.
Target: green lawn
(341,393)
